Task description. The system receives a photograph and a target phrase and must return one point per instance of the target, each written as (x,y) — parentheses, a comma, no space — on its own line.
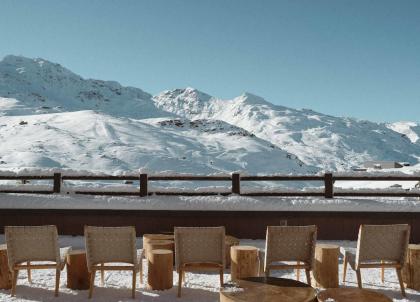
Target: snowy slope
(409,129)
(88,140)
(38,86)
(332,143)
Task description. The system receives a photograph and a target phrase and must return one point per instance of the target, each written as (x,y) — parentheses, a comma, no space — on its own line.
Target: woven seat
(379,246)
(110,249)
(290,247)
(199,247)
(37,246)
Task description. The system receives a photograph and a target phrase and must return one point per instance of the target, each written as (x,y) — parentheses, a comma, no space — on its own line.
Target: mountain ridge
(36,86)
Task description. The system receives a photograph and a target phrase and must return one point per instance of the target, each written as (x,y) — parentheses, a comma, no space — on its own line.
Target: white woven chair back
(382,242)
(32,243)
(290,243)
(199,245)
(110,244)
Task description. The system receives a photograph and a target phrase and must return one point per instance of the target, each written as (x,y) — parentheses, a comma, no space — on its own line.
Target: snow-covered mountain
(51,117)
(329,142)
(35,86)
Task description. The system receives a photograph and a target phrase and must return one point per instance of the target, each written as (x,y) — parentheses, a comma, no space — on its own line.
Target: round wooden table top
(159,241)
(327,246)
(259,291)
(244,247)
(351,295)
(76,252)
(414,246)
(161,252)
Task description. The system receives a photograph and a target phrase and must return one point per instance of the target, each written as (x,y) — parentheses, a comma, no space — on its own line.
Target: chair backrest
(110,244)
(382,242)
(32,243)
(290,243)
(199,245)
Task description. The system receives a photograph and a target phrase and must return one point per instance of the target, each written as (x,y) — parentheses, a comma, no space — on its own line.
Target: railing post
(329,185)
(236,183)
(57,183)
(143,185)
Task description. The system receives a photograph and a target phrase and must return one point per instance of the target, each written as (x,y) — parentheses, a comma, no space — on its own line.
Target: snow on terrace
(214,203)
(198,287)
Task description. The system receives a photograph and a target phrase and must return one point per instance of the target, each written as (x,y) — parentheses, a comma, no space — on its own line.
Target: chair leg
(180,274)
(298,272)
(141,271)
(29,272)
(359,278)
(57,281)
(102,274)
(267,272)
(221,277)
(15,274)
(382,273)
(401,282)
(308,276)
(344,268)
(133,293)
(183,277)
(92,281)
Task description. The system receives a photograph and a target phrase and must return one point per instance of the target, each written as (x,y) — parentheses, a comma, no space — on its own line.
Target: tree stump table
(229,242)
(244,262)
(160,245)
(351,295)
(411,269)
(5,274)
(78,275)
(269,290)
(160,269)
(326,265)
(148,237)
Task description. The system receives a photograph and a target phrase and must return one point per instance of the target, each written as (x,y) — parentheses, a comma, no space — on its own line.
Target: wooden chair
(379,246)
(286,244)
(112,245)
(199,248)
(34,247)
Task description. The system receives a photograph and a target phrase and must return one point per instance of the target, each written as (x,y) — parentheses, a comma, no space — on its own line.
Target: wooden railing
(236,181)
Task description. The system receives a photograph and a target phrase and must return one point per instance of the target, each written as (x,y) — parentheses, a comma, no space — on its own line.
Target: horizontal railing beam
(378,178)
(25,177)
(284,178)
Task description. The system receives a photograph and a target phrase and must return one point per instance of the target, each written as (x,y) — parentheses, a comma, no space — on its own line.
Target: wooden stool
(326,265)
(160,265)
(411,269)
(229,242)
(78,275)
(148,237)
(244,262)
(159,245)
(5,274)
(351,295)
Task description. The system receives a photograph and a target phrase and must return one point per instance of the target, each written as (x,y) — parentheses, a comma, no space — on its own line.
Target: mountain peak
(252,99)
(188,94)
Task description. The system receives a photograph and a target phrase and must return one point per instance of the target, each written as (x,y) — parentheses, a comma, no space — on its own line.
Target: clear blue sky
(347,58)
